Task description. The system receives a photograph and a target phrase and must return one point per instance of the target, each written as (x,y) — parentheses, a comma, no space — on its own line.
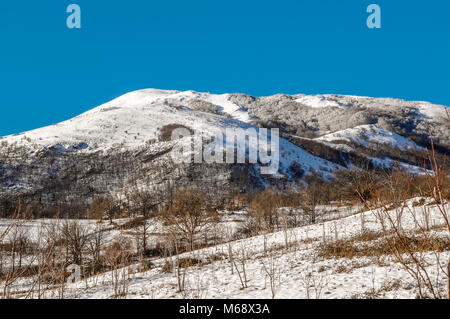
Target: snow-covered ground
(319,101)
(365,135)
(431,111)
(225,105)
(300,270)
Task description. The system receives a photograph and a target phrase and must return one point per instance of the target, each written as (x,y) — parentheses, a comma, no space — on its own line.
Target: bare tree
(117,256)
(311,197)
(242,259)
(144,203)
(229,235)
(188,216)
(412,259)
(272,271)
(75,237)
(95,245)
(310,280)
(264,212)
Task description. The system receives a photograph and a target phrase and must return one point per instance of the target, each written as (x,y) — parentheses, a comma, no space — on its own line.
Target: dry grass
(131,224)
(375,248)
(186,263)
(385,287)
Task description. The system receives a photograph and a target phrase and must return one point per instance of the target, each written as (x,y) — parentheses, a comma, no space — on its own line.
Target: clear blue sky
(49,73)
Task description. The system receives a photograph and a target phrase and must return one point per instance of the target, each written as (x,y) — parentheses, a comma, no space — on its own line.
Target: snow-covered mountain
(123,142)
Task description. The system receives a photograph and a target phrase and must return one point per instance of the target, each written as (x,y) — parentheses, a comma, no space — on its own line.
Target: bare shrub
(117,256)
(95,244)
(264,208)
(242,260)
(410,253)
(314,283)
(75,238)
(272,271)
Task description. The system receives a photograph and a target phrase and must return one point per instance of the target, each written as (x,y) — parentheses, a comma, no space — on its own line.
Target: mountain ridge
(107,149)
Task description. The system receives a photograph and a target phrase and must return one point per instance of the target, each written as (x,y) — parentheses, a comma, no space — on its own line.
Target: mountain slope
(124,142)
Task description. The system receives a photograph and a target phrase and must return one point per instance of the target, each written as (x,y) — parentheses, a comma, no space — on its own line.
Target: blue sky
(49,73)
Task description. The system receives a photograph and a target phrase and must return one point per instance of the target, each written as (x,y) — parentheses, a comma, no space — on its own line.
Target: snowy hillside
(135,117)
(367,135)
(303,268)
(109,191)
(319,101)
(129,130)
(130,121)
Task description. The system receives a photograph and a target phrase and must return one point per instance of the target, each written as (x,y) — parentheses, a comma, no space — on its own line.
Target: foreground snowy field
(304,262)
